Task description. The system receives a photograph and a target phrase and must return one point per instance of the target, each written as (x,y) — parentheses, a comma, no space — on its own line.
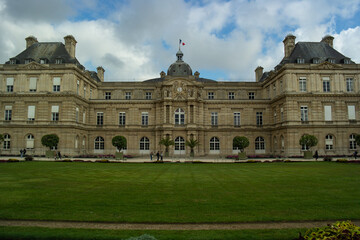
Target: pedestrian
(151,156)
(355,154)
(56,155)
(161,155)
(157,156)
(59,154)
(21,153)
(24,152)
(316,155)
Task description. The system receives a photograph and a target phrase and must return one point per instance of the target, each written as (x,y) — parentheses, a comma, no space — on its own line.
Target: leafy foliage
(241,142)
(166,142)
(191,144)
(345,230)
(50,140)
(357,139)
(119,142)
(308,140)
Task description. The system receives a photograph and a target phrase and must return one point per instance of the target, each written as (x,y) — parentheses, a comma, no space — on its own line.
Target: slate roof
(204,80)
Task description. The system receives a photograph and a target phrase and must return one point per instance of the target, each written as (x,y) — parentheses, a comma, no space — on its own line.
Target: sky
(134,40)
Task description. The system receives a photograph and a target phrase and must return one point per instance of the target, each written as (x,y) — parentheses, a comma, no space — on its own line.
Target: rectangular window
(31,113)
(58,61)
(210,95)
(231,95)
(214,119)
(54,113)
(100,118)
(282,114)
(56,84)
(32,84)
(128,95)
(77,87)
(302,84)
(326,84)
(259,118)
(84,116)
(236,119)
(90,93)
(251,95)
(8,113)
(327,110)
(144,118)
(77,114)
(304,113)
(351,112)
(349,85)
(9,84)
(148,95)
(122,119)
(107,95)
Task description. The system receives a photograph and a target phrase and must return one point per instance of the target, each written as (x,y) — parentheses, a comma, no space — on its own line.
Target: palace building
(313,90)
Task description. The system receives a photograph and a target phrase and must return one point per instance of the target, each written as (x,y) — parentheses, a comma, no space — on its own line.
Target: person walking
(161,156)
(24,152)
(157,156)
(316,155)
(59,154)
(151,156)
(355,154)
(21,153)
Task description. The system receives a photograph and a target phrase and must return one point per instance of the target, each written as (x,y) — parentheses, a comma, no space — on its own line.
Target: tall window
(144,118)
(214,143)
(56,84)
(302,84)
(84,92)
(8,113)
(231,95)
(304,113)
(259,118)
(351,112)
(7,141)
(328,115)
(210,95)
(77,114)
(251,95)
(214,119)
(32,84)
(99,143)
(236,119)
(90,93)
(77,87)
(329,142)
(54,113)
(282,142)
(9,84)
(107,95)
(349,85)
(100,118)
(128,95)
(31,113)
(352,142)
(259,143)
(282,114)
(179,143)
(326,84)
(122,118)
(30,141)
(148,95)
(144,143)
(179,117)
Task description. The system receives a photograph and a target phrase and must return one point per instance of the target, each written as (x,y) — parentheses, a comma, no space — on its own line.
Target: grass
(179,192)
(27,233)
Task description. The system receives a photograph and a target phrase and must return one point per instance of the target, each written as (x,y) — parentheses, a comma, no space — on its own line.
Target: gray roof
(203,80)
(311,50)
(179,68)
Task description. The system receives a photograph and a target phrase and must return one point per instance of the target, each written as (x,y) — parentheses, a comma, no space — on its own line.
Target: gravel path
(168,226)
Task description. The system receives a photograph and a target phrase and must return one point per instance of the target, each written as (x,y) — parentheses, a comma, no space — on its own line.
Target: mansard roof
(203,80)
(314,50)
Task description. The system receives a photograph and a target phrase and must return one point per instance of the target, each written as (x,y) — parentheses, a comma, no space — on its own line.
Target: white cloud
(348,43)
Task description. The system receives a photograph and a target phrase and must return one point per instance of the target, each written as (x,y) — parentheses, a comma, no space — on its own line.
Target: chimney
(30,40)
(70,45)
(289,44)
(100,73)
(258,73)
(328,39)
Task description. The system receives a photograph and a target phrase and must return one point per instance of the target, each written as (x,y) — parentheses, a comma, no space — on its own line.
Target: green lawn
(179,192)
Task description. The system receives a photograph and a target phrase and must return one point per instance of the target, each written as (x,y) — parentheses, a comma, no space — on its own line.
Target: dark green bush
(345,230)
(342,160)
(327,159)
(29,158)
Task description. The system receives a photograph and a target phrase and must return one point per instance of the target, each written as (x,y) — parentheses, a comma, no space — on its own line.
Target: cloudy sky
(137,39)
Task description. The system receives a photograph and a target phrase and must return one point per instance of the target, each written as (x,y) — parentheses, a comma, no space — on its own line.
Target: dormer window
(315,60)
(28,60)
(58,61)
(43,61)
(346,60)
(13,61)
(300,60)
(331,60)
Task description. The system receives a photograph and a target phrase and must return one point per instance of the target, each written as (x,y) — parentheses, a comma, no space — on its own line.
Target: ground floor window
(214,143)
(179,143)
(329,142)
(352,142)
(99,143)
(259,143)
(7,141)
(30,141)
(144,143)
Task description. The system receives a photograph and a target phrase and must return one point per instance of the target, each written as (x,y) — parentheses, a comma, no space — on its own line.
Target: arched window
(214,143)
(275,143)
(329,142)
(352,142)
(99,143)
(76,142)
(282,142)
(30,141)
(7,141)
(144,143)
(83,142)
(179,117)
(259,143)
(179,143)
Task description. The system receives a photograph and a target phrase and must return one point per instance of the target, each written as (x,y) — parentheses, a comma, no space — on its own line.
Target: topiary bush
(327,159)
(345,230)
(29,158)
(343,160)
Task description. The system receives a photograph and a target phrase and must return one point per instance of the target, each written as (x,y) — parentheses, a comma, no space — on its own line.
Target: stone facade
(314,90)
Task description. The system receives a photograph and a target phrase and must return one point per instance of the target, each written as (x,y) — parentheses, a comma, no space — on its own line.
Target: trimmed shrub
(12,160)
(343,160)
(102,161)
(345,230)
(29,158)
(251,161)
(327,159)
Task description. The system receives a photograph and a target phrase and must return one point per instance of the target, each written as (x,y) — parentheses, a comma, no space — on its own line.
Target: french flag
(181,42)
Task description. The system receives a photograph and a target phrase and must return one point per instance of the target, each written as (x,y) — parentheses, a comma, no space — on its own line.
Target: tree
(241,143)
(166,142)
(119,142)
(357,139)
(50,140)
(308,140)
(191,144)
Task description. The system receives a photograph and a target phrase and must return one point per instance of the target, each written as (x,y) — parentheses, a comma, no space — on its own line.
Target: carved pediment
(327,65)
(33,66)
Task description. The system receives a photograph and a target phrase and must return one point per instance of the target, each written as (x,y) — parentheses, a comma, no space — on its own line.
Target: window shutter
(351,112)
(10,81)
(327,110)
(54,109)
(31,111)
(56,81)
(33,83)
